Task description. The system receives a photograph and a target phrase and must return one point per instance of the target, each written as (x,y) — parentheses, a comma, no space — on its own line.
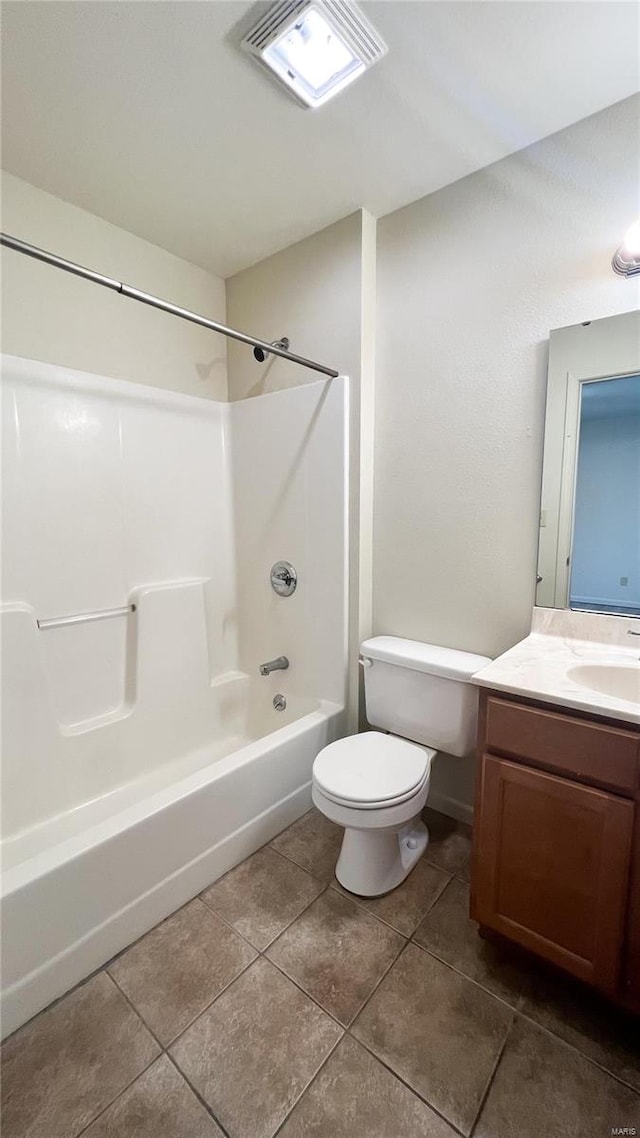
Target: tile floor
(275,1003)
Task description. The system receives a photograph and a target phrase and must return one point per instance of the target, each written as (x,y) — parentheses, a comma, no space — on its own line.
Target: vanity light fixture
(626,259)
(315,48)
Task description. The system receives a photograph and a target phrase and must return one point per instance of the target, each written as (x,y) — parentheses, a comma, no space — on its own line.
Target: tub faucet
(274,666)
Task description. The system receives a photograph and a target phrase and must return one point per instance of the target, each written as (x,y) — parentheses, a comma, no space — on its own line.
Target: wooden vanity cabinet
(556,857)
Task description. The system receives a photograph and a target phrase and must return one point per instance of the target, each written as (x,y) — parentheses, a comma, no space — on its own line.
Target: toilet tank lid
(421,657)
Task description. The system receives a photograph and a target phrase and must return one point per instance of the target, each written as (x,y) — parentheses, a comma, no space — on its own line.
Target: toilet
(375,784)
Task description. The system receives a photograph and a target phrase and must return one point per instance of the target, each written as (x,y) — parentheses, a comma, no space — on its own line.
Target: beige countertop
(565,653)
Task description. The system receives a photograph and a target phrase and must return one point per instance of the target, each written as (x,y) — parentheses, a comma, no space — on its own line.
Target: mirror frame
(581,353)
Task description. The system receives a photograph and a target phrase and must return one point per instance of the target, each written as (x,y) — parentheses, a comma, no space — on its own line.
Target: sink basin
(622,681)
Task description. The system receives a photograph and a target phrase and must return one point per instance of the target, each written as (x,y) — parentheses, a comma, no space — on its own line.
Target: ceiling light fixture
(626,259)
(315,48)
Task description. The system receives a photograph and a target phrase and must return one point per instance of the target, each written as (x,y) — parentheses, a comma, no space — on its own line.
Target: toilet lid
(371,768)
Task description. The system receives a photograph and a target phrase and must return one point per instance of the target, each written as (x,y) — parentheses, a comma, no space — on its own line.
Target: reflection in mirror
(605,558)
(589,551)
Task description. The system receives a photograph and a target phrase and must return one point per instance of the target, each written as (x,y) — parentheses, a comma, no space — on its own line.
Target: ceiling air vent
(315,48)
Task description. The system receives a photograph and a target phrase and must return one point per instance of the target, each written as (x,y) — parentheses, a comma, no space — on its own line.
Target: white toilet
(375,784)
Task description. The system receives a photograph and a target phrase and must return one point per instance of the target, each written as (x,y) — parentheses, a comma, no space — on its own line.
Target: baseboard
(452,807)
(35,991)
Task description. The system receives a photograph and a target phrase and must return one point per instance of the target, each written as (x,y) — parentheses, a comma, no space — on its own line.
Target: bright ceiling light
(314,47)
(626,259)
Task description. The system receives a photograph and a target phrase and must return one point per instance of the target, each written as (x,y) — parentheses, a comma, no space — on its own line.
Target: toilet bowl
(376,784)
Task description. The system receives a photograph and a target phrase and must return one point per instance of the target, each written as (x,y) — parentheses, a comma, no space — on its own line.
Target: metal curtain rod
(156,302)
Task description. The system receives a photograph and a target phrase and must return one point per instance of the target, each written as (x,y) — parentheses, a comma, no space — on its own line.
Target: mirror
(589,551)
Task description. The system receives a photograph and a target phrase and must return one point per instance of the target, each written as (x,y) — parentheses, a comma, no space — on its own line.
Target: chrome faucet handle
(283,578)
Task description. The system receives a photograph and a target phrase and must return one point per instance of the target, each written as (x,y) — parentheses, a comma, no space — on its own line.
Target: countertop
(538,667)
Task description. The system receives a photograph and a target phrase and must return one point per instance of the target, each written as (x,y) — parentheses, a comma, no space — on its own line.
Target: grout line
(435,899)
(307,1086)
(137,1013)
(445,869)
(402,1079)
(255,948)
(359,901)
(197,1094)
(378,983)
(141,1017)
(284,857)
(516,1008)
(513,1008)
(476,983)
(266,948)
(572,1047)
(165,1046)
(458,872)
(298,985)
(485,1094)
(120,1094)
(163,920)
(289,827)
(202,1011)
(54,1003)
(224,921)
(292,861)
(375,989)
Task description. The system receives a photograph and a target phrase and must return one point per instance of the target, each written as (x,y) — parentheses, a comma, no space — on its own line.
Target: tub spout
(278,665)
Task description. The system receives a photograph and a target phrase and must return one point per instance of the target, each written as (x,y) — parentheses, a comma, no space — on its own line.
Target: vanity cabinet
(556,858)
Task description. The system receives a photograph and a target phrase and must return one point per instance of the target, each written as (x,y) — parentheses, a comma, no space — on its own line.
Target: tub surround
(564,652)
(175,764)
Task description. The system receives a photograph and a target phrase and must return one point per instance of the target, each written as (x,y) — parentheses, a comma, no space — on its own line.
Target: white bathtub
(80,886)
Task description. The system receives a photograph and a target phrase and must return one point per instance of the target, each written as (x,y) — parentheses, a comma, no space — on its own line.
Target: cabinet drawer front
(551,865)
(591,751)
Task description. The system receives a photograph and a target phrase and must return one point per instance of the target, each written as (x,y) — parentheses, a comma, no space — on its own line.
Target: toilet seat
(372,770)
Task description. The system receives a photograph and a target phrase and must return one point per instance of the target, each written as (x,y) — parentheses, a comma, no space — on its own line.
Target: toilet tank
(422,692)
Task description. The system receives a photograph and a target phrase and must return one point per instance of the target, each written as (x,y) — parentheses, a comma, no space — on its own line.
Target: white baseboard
(452,807)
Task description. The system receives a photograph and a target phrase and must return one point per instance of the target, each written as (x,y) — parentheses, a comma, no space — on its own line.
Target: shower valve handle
(283,578)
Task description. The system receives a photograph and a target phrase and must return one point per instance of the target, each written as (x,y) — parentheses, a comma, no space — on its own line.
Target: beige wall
(309,292)
(51,316)
(320,293)
(470,282)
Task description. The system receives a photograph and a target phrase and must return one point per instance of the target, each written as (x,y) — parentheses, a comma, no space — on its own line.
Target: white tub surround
(587,661)
(143,755)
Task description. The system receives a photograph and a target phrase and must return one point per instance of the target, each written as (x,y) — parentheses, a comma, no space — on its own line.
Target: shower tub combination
(142,754)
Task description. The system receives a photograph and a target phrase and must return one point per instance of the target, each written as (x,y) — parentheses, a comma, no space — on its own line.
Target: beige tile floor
(277,1004)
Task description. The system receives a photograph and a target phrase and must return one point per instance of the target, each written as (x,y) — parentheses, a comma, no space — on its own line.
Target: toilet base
(375,861)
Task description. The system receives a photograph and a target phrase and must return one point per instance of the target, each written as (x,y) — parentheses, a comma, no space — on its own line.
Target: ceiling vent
(315,48)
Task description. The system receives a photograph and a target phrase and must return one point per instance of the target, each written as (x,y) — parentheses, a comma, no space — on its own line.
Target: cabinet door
(550,867)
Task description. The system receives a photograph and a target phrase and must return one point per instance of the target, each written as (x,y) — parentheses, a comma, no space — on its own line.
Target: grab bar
(85,617)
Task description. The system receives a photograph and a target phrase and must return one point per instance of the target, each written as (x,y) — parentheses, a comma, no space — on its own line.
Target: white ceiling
(148,115)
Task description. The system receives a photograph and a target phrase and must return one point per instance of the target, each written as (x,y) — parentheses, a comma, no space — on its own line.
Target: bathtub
(80,886)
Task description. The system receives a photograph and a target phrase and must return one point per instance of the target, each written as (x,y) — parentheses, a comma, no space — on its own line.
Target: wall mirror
(589,550)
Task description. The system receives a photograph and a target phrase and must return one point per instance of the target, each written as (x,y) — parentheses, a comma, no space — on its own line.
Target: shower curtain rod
(156,302)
